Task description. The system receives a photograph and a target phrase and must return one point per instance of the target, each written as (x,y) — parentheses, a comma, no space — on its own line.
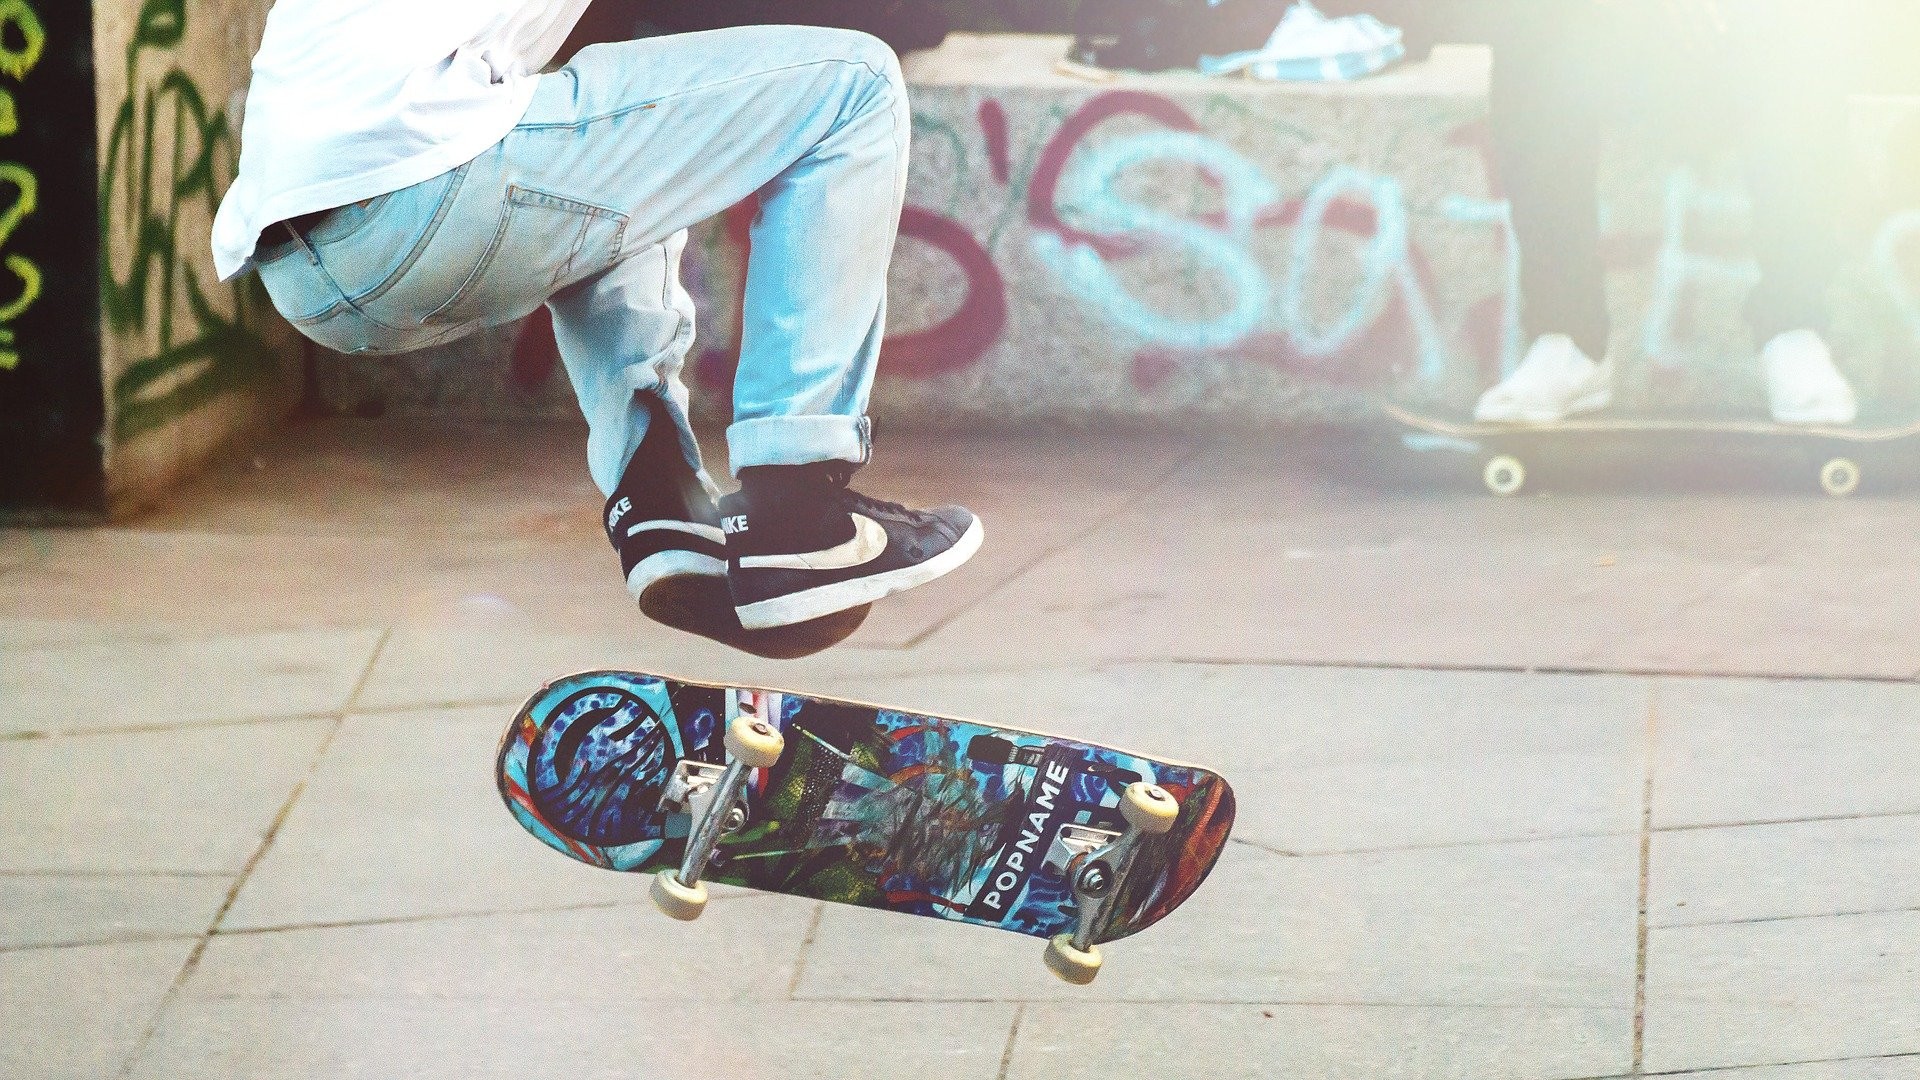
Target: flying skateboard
(1066,841)
(1509,456)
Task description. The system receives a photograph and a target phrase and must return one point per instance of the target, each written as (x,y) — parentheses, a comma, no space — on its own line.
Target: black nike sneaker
(666,528)
(802,545)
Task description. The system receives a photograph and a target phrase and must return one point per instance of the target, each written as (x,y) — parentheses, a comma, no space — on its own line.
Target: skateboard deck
(865,805)
(1837,459)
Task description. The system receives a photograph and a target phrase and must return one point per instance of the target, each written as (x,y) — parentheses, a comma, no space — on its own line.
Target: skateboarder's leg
(667,132)
(1547,117)
(624,336)
(814,125)
(1791,69)
(1547,98)
(617,155)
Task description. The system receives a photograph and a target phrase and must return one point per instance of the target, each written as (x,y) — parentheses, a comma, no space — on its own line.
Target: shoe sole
(689,595)
(825,600)
(1812,419)
(1593,401)
(668,565)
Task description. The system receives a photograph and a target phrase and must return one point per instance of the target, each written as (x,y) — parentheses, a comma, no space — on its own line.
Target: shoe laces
(857,501)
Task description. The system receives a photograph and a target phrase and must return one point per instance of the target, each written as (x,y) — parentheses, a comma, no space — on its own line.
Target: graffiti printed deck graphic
(1838,459)
(869,806)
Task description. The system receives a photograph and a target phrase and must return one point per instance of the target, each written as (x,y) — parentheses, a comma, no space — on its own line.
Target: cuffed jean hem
(799,440)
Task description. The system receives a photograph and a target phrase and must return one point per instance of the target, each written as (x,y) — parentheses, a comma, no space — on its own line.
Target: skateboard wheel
(754,742)
(1149,808)
(1505,475)
(1840,477)
(678,901)
(1071,964)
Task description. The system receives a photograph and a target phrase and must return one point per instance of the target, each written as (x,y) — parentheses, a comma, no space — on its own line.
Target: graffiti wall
(51,414)
(123,362)
(189,364)
(1174,247)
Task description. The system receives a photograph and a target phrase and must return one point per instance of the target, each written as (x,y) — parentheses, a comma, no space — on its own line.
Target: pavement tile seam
(174,989)
(440,706)
(1905,909)
(1743,1069)
(165,729)
(1441,845)
(1642,928)
(1594,670)
(1721,1069)
(293,798)
(1446,845)
(1200,1002)
(1013,1040)
(118,939)
(1707,826)
(111,875)
(717,898)
(108,633)
(806,949)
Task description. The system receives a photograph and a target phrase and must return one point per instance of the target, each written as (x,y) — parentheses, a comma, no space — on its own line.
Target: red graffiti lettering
(1042,195)
(970,332)
(993,128)
(959,341)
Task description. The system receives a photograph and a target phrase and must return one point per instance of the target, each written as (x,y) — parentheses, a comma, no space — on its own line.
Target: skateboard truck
(711,795)
(1150,810)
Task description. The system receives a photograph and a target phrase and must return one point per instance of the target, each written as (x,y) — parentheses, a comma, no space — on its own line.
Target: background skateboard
(876,807)
(1509,458)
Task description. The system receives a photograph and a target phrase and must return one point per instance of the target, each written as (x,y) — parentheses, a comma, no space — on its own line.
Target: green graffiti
(17,20)
(17,15)
(26,201)
(169,154)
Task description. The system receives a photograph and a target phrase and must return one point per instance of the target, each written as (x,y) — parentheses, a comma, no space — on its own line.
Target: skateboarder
(1772,74)
(408,176)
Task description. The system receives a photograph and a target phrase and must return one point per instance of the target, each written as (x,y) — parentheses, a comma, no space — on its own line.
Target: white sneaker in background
(1555,381)
(1803,385)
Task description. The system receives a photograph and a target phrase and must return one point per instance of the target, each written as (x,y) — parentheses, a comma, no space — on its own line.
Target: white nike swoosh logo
(869,543)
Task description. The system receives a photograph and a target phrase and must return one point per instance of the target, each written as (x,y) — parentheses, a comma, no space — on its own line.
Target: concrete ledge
(1171,248)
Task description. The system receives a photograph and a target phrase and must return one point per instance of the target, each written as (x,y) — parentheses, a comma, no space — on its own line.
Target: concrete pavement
(1590,786)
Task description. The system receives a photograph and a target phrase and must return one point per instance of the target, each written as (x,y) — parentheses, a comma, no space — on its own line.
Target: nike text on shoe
(856,552)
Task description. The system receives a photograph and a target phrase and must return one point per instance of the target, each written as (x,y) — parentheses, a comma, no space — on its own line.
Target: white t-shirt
(356,98)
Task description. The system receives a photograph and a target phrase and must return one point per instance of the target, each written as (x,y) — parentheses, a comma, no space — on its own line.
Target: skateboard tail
(1187,856)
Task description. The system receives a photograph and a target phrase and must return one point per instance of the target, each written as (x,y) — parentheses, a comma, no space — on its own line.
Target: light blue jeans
(585,205)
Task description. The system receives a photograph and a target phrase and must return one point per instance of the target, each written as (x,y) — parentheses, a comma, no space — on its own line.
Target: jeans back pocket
(542,242)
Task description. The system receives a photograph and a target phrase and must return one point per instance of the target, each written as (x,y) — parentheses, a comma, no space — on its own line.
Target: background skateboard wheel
(678,901)
(1840,477)
(1071,964)
(1504,475)
(754,742)
(1149,808)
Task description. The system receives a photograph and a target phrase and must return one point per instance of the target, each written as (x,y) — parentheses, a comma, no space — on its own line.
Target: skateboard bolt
(1096,880)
